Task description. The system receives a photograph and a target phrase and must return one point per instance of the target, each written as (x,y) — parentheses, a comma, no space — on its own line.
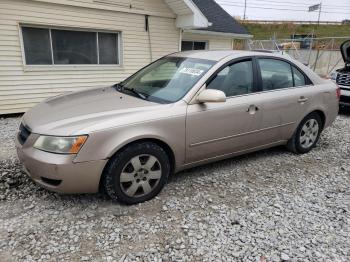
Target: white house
(48,47)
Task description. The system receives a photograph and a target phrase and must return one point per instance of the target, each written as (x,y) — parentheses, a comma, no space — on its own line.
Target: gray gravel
(267,206)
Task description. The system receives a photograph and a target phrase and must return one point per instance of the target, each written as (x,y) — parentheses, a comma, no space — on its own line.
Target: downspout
(149,36)
(180,40)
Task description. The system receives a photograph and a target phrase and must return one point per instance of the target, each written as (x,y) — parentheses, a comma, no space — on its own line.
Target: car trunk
(343,76)
(345,52)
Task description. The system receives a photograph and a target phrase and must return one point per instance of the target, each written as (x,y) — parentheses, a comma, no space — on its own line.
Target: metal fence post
(330,56)
(310,49)
(316,60)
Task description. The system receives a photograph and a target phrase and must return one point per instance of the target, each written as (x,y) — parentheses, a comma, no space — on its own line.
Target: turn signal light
(78,144)
(338,92)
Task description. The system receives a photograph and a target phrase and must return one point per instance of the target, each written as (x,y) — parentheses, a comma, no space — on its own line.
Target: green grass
(284,31)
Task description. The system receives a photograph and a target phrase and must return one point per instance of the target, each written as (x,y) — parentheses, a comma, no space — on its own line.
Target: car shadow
(102,200)
(227,163)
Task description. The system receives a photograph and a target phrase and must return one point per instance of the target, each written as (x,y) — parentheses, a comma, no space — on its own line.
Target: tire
(301,141)
(137,173)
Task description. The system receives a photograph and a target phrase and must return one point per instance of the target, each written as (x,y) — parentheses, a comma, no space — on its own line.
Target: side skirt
(230,155)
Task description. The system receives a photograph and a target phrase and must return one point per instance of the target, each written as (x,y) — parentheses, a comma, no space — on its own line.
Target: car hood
(86,111)
(345,51)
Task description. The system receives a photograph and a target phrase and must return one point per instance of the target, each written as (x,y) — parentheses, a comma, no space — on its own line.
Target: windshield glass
(168,79)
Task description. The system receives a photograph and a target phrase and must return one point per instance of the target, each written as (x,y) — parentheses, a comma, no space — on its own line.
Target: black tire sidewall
(298,146)
(112,176)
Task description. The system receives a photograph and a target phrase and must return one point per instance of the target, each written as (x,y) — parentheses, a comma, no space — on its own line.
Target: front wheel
(306,135)
(137,174)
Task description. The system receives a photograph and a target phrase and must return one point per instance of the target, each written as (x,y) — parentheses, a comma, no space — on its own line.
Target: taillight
(338,92)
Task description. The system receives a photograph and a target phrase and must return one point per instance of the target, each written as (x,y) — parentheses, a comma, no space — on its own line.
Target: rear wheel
(306,135)
(137,174)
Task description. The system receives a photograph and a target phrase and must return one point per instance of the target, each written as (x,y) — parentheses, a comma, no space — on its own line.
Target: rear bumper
(59,173)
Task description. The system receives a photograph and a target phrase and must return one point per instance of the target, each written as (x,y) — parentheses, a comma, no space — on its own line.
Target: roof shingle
(220,19)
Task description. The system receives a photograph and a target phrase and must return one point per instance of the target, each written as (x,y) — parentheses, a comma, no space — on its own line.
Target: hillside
(283,31)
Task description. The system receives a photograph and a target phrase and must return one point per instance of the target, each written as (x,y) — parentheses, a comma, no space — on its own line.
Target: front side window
(235,79)
(46,46)
(275,74)
(168,79)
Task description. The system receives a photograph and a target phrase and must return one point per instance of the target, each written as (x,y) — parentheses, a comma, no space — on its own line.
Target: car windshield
(166,80)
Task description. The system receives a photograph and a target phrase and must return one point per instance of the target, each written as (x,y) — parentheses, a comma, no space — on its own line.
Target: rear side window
(275,74)
(235,79)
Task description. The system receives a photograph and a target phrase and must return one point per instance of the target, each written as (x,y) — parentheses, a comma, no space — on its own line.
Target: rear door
(286,93)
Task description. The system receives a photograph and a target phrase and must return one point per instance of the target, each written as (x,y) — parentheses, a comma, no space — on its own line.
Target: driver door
(219,129)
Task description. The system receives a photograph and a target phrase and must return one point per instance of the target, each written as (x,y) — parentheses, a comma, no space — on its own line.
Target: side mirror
(211,95)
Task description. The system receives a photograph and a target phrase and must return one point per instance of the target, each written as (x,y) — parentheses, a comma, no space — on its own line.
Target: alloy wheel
(140,175)
(309,133)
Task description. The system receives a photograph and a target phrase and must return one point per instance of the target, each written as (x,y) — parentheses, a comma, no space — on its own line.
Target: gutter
(109,6)
(230,35)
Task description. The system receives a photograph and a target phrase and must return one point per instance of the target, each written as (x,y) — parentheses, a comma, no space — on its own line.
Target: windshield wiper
(120,87)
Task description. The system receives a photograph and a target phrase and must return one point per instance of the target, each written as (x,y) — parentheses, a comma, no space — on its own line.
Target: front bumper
(344,95)
(57,172)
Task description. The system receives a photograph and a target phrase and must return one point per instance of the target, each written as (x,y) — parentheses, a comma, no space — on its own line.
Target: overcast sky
(332,10)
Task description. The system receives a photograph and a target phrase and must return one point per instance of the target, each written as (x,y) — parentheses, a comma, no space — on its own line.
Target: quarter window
(235,79)
(299,78)
(46,46)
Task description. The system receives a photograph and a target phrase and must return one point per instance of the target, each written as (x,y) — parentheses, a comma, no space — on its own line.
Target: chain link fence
(320,54)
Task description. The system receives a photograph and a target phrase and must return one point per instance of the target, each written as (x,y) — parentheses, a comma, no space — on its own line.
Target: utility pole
(245,8)
(319,14)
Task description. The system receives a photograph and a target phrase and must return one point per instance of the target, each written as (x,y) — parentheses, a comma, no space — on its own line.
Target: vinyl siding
(150,7)
(215,42)
(21,86)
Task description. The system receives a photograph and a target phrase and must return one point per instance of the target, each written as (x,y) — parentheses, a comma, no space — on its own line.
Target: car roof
(217,55)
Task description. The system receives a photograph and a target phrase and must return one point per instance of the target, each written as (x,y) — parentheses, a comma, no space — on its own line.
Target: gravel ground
(267,206)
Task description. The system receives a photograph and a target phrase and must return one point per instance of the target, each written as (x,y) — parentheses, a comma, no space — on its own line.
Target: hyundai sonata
(183,110)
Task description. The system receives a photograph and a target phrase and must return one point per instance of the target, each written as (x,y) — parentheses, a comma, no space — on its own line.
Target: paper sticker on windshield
(191,71)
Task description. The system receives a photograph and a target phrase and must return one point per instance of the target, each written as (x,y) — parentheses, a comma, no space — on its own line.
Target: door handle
(252,109)
(302,99)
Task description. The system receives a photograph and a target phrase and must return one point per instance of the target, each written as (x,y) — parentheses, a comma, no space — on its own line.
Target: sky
(332,10)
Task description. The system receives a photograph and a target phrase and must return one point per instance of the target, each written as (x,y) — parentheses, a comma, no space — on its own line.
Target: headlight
(60,145)
(334,75)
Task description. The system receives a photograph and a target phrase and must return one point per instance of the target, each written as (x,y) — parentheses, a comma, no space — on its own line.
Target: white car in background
(342,76)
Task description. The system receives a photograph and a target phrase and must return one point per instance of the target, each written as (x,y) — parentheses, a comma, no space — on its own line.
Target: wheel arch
(169,151)
(318,111)
(291,142)
(321,114)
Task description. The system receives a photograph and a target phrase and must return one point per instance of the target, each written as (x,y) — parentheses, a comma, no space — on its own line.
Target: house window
(49,46)
(193,45)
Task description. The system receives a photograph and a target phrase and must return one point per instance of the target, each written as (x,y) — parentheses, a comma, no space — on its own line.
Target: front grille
(345,99)
(23,134)
(343,79)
